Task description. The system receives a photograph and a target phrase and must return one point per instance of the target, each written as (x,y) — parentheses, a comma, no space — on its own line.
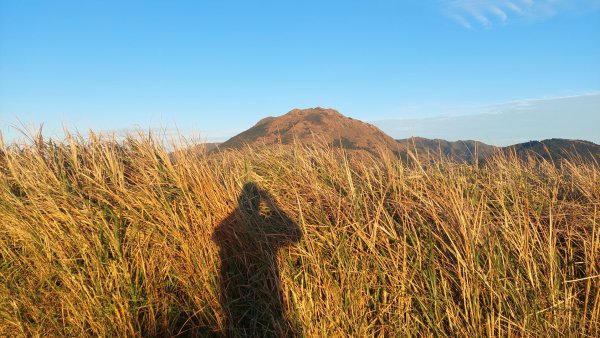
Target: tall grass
(114,239)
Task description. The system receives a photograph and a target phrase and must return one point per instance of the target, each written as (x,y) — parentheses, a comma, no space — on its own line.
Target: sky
(509,123)
(213,68)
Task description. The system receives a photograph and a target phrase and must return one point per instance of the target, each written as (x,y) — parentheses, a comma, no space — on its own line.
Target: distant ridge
(313,126)
(556,149)
(459,151)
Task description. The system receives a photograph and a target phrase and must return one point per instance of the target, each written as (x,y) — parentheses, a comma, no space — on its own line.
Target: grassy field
(99,238)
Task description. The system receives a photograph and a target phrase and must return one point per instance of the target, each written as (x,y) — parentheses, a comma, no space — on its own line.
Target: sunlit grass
(105,238)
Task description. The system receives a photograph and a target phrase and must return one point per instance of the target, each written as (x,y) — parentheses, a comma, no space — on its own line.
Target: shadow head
(264,217)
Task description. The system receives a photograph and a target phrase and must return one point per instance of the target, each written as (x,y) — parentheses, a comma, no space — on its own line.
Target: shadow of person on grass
(249,239)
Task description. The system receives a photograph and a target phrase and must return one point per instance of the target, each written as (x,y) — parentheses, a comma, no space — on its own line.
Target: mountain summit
(312,126)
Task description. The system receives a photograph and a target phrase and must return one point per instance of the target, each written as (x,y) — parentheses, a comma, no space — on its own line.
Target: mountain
(556,149)
(327,126)
(459,151)
(313,126)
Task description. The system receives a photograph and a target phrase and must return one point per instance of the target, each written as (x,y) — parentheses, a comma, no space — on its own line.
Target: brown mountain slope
(313,126)
(556,149)
(459,151)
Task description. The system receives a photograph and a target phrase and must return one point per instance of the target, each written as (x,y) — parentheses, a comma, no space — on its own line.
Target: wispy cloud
(487,13)
(572,117)
(460,20)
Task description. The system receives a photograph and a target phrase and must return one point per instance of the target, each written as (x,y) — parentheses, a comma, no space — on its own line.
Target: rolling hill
(555,150)
(313,126)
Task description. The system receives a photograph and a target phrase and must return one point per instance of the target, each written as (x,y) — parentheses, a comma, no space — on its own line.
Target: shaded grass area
(105,238)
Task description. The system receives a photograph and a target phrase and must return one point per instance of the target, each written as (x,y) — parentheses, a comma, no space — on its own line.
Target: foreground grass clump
(104,238)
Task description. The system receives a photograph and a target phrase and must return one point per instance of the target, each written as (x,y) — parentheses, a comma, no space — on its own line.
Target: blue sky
(216,67)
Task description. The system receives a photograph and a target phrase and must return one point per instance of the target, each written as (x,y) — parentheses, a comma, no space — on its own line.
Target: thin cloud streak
(500,13)
(487,13)
(459,19)
(513,7)
(502,124)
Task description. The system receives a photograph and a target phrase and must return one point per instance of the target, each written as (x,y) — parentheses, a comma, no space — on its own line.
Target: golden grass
(115,239)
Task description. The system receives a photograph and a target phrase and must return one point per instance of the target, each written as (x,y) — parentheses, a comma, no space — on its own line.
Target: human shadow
(249,239)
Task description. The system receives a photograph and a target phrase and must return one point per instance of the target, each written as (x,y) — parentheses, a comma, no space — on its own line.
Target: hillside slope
(313,126)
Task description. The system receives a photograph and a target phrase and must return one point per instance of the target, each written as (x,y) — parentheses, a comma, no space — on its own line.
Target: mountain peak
(310,126)
(315,110)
